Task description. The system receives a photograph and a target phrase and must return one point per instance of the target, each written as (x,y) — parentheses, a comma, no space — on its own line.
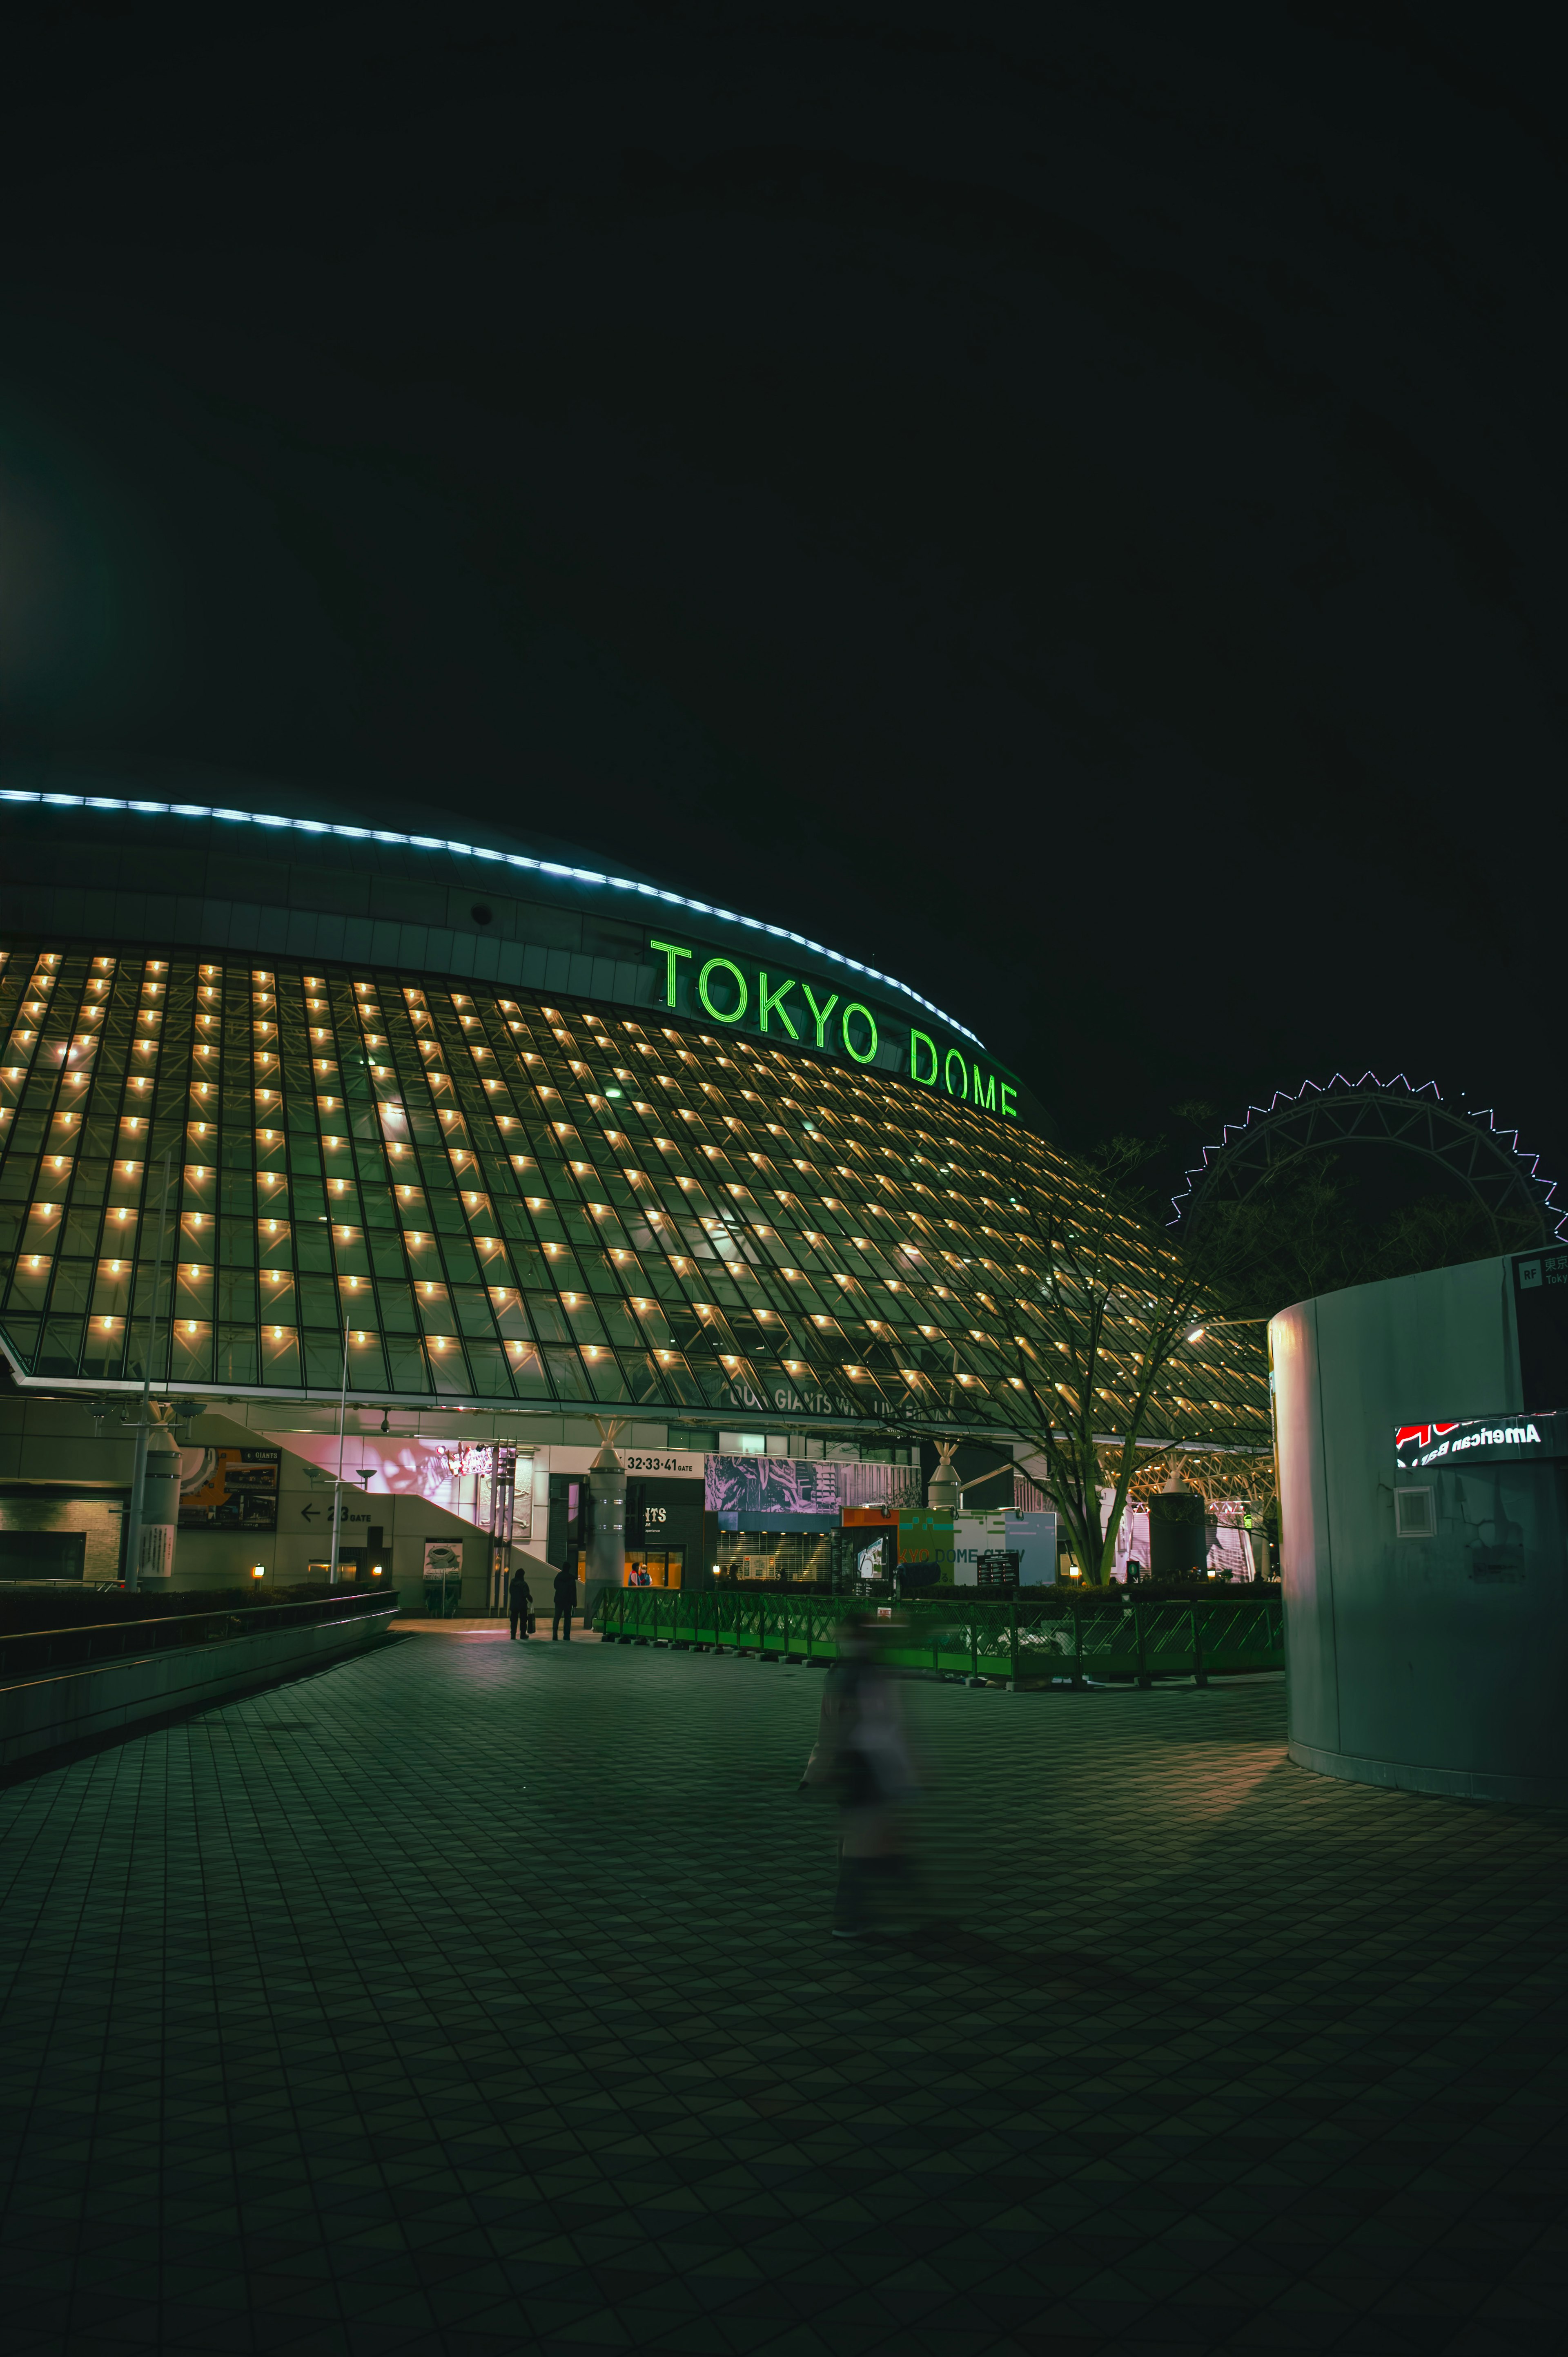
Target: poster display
(769,1486)
(229,1489)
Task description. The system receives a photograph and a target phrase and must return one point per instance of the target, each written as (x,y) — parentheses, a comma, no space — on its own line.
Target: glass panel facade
(486,1199)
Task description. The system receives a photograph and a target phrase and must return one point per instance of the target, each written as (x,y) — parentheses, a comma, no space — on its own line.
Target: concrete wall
(99,1520)
(1404,1667)
(49,1442)
(304,1535)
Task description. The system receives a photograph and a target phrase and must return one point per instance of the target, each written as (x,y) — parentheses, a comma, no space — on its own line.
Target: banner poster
(229,1489)
(771,1485)
(443,1558)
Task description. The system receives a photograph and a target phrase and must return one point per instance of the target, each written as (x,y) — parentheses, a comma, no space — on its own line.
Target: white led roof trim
(503,858)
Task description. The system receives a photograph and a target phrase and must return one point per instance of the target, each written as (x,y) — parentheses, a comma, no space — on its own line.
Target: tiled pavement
(476,1999)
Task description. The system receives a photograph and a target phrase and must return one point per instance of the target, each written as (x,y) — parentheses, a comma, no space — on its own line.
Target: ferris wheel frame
(1488,1162)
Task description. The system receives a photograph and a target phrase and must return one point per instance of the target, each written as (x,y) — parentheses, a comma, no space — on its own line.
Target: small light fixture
(1196,1334)
(258,1571)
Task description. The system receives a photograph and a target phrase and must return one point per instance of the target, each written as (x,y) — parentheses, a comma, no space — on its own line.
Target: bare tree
(1108,1319)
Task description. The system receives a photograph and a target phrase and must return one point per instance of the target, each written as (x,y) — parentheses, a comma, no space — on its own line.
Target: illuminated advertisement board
(756,1492)
(1480,1440)
(229,1489)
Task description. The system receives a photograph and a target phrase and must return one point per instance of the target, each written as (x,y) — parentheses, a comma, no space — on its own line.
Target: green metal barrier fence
(1023,1641)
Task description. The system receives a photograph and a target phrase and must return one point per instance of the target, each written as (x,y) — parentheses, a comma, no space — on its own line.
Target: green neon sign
(820,1014)
(860,1055)
(725,991)
(771,1002)
(723,965)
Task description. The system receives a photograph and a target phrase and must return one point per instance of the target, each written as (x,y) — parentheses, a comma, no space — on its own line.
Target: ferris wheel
(1489,1163)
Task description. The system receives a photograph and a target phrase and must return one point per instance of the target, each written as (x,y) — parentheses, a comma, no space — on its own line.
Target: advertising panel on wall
(1501,1439)
(229,1489)
(747,1493)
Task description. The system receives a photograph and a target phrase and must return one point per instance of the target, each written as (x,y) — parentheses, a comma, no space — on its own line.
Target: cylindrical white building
(1422,1465)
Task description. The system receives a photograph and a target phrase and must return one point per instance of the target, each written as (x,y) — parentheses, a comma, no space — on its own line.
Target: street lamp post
(143,1425)
(337,1487)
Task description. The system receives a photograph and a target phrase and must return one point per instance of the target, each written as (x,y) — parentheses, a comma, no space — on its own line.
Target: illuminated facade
(421,1180)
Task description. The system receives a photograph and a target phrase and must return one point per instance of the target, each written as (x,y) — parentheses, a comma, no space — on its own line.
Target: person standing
(519,1602)
(862,1757)
(565,1605)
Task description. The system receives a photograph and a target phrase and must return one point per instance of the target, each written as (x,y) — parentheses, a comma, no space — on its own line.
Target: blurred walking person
(862,1756)
(565,1605)
(520,1603)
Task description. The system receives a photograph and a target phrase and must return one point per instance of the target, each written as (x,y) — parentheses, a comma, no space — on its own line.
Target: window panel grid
(445,1179)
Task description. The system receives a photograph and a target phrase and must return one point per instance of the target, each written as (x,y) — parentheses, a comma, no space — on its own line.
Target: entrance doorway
(655,1566)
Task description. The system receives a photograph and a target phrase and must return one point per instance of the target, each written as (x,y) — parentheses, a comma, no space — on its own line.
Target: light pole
(139,1466)
(338,1490)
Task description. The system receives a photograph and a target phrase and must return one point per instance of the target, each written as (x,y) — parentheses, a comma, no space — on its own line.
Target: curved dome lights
(589,876)
(1488,1162)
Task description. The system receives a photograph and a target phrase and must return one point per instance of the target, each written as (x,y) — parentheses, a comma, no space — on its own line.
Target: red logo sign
(1423,1435)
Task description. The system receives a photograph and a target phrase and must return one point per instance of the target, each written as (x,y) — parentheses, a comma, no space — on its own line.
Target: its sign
(780,1008)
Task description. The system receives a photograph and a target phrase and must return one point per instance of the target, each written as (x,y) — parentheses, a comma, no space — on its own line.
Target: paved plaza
(476,1997)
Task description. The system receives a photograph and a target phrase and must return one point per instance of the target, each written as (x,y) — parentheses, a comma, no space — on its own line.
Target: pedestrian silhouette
(861,1758)
(520,1604)
(565,1604)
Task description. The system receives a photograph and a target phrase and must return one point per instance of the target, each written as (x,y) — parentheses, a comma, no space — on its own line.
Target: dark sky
(1066,502)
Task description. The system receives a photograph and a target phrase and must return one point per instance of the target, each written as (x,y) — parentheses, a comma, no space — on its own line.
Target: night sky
(1063,503)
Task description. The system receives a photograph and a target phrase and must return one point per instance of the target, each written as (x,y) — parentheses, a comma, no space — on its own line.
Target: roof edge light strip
(476,851)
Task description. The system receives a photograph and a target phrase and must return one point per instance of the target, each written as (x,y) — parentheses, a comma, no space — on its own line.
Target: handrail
(97,1641)
(185,1620)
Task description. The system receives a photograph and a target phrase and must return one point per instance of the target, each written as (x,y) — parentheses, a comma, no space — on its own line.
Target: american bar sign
(780,1006)
(1482,1440)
